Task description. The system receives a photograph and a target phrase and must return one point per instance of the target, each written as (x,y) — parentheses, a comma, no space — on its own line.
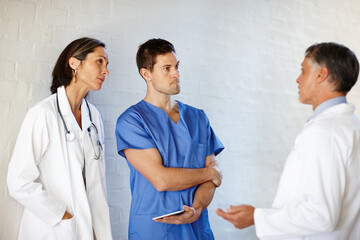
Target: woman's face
(92,71)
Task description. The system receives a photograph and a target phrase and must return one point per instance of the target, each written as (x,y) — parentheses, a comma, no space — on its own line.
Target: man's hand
(190,215)
(217,174)
(240,216)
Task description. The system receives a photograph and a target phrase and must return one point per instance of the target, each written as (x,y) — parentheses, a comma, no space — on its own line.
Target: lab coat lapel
(64,102)
(66,112)
(85,116)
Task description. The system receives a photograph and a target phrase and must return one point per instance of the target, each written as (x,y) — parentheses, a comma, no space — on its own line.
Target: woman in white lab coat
(57,170)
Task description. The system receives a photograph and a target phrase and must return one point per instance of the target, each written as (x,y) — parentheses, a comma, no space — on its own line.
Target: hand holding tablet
(169,214)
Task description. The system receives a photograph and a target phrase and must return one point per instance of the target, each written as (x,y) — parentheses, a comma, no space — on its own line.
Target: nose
(176,73)
(106,71)
(298,79)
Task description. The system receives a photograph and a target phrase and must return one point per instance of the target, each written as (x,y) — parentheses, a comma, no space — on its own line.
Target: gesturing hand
(190,215)
(240,216)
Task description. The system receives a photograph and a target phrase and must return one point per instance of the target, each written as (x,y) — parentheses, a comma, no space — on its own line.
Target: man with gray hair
(319,191)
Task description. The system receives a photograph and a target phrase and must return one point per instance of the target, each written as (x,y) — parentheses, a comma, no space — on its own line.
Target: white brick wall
(239,62)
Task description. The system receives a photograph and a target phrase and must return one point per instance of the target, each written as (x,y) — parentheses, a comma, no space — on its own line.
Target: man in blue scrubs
(170,148)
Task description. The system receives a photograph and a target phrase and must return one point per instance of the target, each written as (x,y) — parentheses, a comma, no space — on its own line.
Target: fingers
(188,209)
(220,212)
(240,216)
(217,179)
(170,220)
(214,168)
(234,209)
(227,216)
(188,216)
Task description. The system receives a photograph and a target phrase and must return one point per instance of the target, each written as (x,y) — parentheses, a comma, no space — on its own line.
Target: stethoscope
(70,136)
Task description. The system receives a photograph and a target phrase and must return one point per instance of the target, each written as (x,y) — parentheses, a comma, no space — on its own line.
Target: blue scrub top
(184,144)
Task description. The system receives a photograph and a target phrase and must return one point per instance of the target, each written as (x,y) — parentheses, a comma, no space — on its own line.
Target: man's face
(307,81)
(165,74)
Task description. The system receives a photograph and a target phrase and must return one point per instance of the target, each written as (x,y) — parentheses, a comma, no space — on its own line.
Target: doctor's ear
(74,63)
(145,73)
(323,74)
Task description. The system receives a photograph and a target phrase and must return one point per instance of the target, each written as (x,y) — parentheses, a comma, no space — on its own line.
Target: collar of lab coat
(342,108)
(66,110)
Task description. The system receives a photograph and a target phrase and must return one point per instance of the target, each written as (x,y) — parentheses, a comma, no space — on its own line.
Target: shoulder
(44,109)
(190,110)
(40,117)
(132,115)
(336,126)
(193,115)
(336,119)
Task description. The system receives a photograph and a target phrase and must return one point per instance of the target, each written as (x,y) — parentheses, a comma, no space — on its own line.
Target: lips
(175,82)
(101,79)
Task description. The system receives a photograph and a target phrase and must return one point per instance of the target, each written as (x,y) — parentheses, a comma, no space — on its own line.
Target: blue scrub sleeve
(131,133)
(213,145)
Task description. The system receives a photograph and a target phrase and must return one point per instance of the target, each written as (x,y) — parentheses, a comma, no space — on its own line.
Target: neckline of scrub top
(66,110)
(162,110)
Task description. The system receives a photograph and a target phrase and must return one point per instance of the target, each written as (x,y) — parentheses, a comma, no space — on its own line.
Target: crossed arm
(149,163)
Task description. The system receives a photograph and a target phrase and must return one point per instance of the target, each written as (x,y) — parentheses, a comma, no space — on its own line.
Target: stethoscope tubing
(70,136)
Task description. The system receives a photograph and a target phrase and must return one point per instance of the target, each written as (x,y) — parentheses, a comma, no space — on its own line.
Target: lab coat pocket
(195,156)
(66,229)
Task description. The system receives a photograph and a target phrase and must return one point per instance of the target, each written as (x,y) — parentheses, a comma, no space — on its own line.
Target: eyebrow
(169,65)
(102,56)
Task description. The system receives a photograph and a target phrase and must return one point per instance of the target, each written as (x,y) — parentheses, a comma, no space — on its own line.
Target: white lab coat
(45,174)
(319,191)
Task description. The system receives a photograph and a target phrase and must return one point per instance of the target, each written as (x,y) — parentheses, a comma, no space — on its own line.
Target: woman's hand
(67,216)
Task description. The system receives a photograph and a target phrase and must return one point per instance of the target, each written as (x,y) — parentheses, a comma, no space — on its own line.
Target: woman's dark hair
(79,49)
(148,51)
(341,62)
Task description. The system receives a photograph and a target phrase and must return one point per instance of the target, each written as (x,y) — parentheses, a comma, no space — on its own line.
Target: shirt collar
(327,104)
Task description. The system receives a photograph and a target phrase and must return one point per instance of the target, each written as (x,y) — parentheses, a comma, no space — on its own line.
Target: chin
(177,92)
(97,88)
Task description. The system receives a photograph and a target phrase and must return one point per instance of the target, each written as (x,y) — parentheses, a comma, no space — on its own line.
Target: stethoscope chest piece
(70,136)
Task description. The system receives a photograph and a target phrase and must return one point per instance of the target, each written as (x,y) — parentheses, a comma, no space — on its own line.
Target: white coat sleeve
(23,173)
(322,186)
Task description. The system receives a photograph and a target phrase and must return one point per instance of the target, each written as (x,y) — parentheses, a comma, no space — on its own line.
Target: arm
(149,163)
(317,206)
(205,192)
(322,181)
(203,197)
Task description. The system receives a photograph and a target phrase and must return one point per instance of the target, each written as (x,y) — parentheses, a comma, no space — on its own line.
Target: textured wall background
(239,62)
